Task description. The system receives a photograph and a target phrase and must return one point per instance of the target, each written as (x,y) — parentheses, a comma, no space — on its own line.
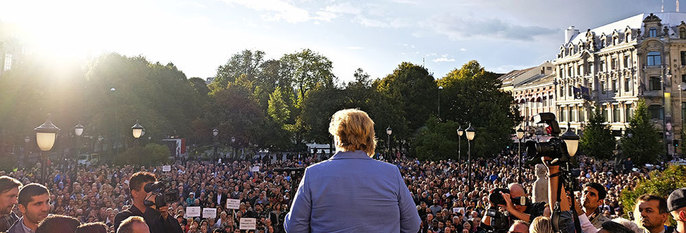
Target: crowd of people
(447,198)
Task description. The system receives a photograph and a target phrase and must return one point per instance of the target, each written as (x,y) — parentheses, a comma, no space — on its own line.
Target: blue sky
(376,36)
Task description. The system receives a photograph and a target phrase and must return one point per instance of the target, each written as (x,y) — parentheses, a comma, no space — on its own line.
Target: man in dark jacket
(157,218)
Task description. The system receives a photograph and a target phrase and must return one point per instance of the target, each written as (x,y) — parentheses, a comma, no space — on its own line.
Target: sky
(376,35)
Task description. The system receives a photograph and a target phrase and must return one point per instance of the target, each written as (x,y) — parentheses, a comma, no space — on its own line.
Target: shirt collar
(358,154)
(26,229)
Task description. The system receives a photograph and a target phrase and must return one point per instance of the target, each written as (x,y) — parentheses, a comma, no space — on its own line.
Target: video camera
(163,194)
(499,221)
(554,148)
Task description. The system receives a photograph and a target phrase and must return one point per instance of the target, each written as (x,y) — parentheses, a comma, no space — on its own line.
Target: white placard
(166,168)
(209,213)
(248,224)
(233,204)
(193,211)
(255,169)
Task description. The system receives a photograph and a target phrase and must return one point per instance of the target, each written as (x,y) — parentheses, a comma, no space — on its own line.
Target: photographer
(514,200)
(157,217)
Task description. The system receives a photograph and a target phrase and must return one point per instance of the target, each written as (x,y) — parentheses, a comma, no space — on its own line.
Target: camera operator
(516,204)
(157,217)
(562,216)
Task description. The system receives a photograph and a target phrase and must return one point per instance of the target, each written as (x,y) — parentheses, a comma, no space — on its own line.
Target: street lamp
(27,139)
(233,147)
(78,131)
(460,131)
(389,131)
(45,138)
(571,141)
(439,101)
(137,130)
(520,135)
(470,136)
(215,132)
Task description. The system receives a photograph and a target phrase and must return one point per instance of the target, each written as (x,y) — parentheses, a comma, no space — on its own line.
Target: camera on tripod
(163,194)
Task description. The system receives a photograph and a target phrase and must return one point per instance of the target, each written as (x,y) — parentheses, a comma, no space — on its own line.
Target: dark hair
(138,178)
(127,225)
(615,227)
(58,224)
(29,191)
(649,197)
(94,227)
(598,187)
(7,183)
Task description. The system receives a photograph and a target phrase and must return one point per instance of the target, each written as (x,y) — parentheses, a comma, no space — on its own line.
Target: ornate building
(613,66)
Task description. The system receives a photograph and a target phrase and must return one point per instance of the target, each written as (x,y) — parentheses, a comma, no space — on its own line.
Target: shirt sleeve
(586,225)
(409,217)
(298,219)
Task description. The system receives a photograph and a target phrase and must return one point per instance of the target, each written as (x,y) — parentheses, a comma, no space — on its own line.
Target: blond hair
(353,130)
(541,224)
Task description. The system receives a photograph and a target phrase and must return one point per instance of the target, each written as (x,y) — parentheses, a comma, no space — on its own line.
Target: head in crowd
(58,224)
(517,191)
(676,205)
(95,227)
(614,227)
(353,130)
(34,203)
(519,226)
(133,224)
(541,224)
(9,190)
(137,183)
(652,212)
(593,196)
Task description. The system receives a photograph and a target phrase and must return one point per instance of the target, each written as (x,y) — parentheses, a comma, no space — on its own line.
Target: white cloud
(463,49)
(443,58)
(278,10)
(458,26)
(343,8)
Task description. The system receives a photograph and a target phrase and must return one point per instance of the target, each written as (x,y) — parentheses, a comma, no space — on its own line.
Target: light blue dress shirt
(351,192)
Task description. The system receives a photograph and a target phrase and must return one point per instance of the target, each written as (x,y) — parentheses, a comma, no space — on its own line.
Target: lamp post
(137,131)
(45,138)
(571,141)
(439,101)
(460,131)
(470,136)
(27,139)
(233,147)
(665,108)
(389,131)
(520,135)
(215,132)
(78,131)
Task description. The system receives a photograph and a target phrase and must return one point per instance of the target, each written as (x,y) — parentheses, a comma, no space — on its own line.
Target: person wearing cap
(676,205)
(351,192)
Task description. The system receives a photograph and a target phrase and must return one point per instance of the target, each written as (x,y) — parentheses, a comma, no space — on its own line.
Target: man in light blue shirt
(351,192)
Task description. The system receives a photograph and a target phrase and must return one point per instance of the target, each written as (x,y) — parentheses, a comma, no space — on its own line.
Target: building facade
(613,66)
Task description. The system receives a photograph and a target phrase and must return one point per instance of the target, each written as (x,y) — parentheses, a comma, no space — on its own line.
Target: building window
(602,66)
(615,113)
(682,33)
(571,91)
(626,61)
(8,62)
(652,32)
(613,64)
(569,72)
(604,110)
(655,111)
(627,82)
(562,92)
(602,86)
(590,67)
(614,86)
(655,84)
(627,112)
(581,114)
(683,58)
(578,70)
(683,78)
(654,58)
(563,114)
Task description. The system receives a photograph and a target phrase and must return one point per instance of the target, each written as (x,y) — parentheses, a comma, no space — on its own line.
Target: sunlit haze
(198,36)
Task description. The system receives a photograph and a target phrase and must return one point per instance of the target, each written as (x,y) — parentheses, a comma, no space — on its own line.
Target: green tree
(656,183)
(307,69)
(246,63)
(472,95)
(642,142)
(597,139)
(438,140)
(416,92)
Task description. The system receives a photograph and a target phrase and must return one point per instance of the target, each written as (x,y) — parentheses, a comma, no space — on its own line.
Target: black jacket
(153,218)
